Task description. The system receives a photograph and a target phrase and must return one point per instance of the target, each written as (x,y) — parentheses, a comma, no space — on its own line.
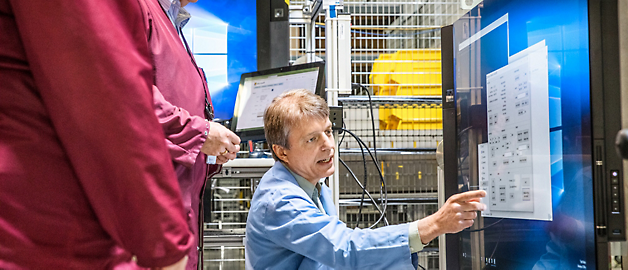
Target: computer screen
(524,133)
(258,89)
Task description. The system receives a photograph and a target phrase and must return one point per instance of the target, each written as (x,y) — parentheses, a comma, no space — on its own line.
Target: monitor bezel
(258,133)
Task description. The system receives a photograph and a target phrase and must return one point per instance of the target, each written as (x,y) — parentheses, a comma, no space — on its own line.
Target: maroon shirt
(84,170)
(179,98)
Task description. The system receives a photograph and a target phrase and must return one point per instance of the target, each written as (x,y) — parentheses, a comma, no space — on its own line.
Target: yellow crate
(408,73)
(403,117)
(382,65)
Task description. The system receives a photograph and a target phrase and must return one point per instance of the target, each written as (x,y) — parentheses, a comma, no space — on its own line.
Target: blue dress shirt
(286,230)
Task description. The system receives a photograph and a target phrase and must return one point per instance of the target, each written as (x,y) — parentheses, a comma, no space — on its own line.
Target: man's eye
(328,132)
(311,139)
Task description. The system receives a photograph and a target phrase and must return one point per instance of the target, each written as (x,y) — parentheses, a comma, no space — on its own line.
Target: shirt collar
(178,15)
(165,4)
(306,185)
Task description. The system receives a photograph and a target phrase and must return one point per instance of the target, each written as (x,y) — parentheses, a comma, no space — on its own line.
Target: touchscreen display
(524,133)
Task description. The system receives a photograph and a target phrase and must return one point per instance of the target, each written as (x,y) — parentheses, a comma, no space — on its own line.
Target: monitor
(521,123)
(258,89)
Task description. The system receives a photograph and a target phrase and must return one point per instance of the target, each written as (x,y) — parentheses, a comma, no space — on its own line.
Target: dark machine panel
(531,107)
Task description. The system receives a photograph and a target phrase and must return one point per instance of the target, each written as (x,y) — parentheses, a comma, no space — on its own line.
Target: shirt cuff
(206,130)
(414,238)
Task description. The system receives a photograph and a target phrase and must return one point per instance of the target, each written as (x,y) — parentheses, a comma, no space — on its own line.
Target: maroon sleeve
(185,133)
(91,64)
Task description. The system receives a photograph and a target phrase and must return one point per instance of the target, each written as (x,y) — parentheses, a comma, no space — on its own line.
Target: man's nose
(328,142)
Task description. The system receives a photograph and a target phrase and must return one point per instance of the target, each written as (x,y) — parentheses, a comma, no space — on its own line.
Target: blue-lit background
(567,242)
(223,37)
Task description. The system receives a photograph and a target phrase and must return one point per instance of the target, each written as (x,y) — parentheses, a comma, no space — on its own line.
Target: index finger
(233,148)
(469,195)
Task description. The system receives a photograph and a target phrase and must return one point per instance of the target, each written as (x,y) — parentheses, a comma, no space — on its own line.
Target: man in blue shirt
(293,224)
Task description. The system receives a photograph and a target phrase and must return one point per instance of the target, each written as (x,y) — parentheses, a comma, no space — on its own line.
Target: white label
(517,176)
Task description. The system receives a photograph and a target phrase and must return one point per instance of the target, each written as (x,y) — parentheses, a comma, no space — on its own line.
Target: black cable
(421,266)
(374,147)
(360,184)
(372,119)
(370,154)
(363,188)
(364,191)
(379,170)
(356,179)
(382,186)
(372,123)
(374,139)
(485,227)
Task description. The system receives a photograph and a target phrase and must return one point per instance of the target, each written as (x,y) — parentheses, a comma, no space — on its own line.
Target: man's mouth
(325,160)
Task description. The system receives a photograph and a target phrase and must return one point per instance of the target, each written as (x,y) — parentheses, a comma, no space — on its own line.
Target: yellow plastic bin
(409,73)
(411,116)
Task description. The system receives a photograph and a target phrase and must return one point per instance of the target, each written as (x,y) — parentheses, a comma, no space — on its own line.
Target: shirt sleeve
(296,224)
(185,133)
(414,237)
(92,69)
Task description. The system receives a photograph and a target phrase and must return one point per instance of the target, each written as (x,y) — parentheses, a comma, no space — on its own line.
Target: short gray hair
(286,111)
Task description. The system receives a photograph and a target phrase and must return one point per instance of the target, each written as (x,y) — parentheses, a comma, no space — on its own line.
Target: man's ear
(280,152)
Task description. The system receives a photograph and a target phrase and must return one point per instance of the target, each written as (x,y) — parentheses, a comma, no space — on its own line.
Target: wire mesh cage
(231,202)
(396,213)
(225,224)
(411,123)
(407,174)
(395,44)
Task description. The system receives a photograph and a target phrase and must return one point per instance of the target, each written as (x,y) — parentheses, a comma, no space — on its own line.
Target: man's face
(311,150)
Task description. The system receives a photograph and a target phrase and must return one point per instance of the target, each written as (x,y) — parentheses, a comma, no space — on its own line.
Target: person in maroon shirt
(180,96)
(86,181)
